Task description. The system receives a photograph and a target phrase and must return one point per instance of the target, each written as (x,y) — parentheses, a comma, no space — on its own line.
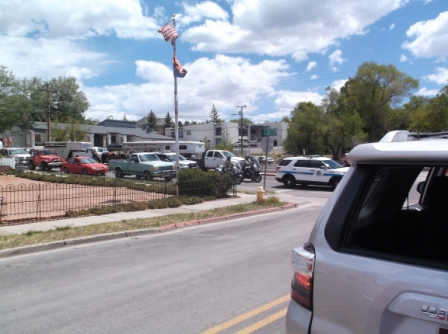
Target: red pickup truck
(45,159)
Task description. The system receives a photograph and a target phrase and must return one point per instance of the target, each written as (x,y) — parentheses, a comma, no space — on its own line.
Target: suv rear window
(389,223)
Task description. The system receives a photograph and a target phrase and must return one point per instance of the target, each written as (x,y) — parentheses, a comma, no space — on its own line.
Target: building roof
(104,130)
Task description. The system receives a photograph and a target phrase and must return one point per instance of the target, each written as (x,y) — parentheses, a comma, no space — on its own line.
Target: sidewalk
(83,221)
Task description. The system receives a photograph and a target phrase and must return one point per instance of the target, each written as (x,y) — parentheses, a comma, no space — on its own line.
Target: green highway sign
(268,132)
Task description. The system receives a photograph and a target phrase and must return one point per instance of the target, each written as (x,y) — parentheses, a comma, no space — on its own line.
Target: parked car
(183,162)
(84,165)
(262,159)
(313,170)
(376,259)
(19,154)
(45,159)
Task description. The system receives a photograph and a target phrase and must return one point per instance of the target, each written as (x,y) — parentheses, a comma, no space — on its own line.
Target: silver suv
(309,171)
(377,258)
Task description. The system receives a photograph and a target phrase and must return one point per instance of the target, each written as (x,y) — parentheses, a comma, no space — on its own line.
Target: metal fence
(41,201)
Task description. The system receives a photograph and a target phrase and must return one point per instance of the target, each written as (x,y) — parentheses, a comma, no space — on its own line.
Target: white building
(215,133)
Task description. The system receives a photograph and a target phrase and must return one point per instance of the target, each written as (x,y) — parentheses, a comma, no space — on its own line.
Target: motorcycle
(234,172)
(252,171)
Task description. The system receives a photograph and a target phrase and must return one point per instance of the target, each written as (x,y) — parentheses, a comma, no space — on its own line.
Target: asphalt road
(216,278)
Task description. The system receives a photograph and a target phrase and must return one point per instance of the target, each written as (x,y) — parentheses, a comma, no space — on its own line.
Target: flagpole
(176,115)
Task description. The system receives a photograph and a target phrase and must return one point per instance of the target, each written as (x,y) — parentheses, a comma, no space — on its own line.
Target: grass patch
(69,232)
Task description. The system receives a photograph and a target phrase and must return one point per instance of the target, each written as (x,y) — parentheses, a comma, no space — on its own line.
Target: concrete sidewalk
(83,221)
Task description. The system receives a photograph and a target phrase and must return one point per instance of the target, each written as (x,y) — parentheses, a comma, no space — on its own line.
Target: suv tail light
(302,260)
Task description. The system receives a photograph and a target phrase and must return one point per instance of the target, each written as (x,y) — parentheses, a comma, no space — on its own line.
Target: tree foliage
(151,120)
(374,91)
(213,116)
(25,101)
(168,121)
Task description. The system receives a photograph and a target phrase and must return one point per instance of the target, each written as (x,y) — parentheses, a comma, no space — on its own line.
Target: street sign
(266,145)
(268,132)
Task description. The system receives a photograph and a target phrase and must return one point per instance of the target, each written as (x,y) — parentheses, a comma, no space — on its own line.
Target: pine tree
(151,120)
(214,118)
(168,121)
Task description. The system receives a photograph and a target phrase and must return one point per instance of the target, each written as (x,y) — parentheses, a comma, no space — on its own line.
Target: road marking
(262,323)
(247,315)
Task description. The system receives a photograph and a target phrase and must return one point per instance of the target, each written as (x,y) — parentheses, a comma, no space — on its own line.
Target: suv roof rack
(403,135)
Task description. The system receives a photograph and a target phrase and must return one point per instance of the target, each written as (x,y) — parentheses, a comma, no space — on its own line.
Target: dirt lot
(23,199)
(11,179)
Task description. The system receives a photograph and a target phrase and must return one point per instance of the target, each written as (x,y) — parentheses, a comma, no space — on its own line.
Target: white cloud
(287,100)
(427,92)
(76,19)
(311,65)
(338,84)
(336,59)
(198,12)
(430,37)
(441,77)
(271,27)
(235,81)
(403,58)
(50,58)
(392,26)
(314,77)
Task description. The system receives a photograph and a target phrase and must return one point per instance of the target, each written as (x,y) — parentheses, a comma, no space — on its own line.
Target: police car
(309,171)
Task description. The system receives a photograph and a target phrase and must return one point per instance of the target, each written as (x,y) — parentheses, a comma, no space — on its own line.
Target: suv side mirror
(421,186)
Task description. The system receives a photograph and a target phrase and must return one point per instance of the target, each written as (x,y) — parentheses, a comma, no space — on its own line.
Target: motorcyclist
(228,163)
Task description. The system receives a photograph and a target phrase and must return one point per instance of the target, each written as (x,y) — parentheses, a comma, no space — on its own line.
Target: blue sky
(267,55)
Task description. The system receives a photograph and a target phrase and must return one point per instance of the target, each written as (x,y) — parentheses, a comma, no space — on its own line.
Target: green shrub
(200,183)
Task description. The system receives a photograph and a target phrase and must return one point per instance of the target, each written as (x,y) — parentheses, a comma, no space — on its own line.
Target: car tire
(147,175)
(119,173)
(289,181)
(66,170)
(84,171)
(334,183)
(168,178)
(31,166)
(43,166)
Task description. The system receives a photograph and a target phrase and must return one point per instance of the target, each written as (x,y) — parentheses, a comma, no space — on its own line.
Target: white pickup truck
(212,158)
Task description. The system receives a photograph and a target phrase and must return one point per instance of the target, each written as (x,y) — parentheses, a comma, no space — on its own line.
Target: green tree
(285,119)
(151,120)
(214,118)
(304,131)
(432,114)
(15,106)
(341,127)
(245,121)
(226,143)
(375,89)
(186,123)
(73,130)
(168,121)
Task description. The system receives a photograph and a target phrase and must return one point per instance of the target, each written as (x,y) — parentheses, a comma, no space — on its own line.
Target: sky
(265,55)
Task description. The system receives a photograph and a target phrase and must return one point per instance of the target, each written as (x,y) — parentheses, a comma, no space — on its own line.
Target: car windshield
(101,150)
(332,164)
(88,161)
(228,154)
(148,157)
(18,151)
(47,152)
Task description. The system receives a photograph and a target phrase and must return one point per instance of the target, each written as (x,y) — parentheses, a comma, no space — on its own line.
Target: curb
(133,233)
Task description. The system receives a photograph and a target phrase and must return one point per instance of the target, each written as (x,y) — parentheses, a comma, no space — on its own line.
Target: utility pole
(47,85)
(241,113)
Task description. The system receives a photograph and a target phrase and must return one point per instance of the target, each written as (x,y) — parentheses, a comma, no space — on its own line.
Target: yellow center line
(263,322)
(247,315)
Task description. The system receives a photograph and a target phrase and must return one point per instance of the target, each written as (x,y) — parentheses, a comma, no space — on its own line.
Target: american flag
(169,32)
(178,70)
